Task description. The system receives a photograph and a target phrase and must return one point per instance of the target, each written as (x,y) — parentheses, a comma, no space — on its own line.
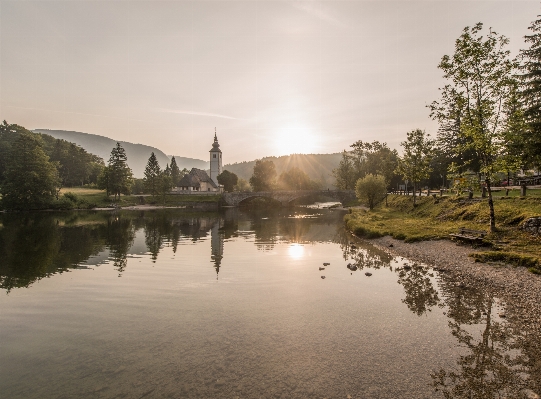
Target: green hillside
(317,166)
(138,154)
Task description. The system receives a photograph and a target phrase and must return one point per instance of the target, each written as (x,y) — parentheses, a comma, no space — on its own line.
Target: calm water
(175,304)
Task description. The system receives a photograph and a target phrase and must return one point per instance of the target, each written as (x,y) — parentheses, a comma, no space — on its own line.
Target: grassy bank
(86,198)
(436,218)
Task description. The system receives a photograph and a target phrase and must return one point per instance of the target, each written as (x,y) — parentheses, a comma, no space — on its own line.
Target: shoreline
(519,290)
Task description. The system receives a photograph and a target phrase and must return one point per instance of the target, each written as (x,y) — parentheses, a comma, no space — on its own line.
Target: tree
(531,94)
(152,175)
(119,176)
(371,189)
(165,183)
(414,165)
(242,185)
(264,176)
(296,179)
(344,174)
(30,180)
(228,180)
(375,158)
(480,82)
(176,174)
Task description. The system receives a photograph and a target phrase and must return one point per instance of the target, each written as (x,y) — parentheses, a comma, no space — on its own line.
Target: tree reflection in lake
(493,363)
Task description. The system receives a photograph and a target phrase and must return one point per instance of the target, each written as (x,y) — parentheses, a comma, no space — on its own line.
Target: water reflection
(493,359)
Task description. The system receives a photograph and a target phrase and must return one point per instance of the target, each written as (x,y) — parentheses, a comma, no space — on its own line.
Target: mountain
(137,154)
(317,166)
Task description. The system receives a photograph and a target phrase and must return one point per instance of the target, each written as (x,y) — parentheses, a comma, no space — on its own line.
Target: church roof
(215,145)
(195,178)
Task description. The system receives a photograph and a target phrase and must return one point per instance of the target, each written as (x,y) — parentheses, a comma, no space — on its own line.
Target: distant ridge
(138,154)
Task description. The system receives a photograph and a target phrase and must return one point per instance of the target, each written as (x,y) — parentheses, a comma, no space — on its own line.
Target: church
(198,180)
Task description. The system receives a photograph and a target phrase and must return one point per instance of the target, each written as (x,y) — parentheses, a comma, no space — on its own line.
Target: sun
(295,140)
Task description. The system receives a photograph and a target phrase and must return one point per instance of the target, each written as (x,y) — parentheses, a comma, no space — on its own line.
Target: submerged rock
(321,268)
(326,264)
(322,276)
(368,274)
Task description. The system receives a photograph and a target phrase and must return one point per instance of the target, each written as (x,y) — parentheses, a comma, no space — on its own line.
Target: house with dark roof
(197,180)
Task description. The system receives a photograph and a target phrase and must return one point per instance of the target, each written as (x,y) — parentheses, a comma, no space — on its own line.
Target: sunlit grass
(439,217)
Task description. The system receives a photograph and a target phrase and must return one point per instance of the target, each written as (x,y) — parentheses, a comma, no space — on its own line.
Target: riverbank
(436,218)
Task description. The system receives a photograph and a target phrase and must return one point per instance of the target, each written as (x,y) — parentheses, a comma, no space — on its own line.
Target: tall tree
(414,165)
(119,174)
(152,175)
(264,176)
(344,174)
(480,80)
(228,180)
(176,174)
(31,181)
(531,94)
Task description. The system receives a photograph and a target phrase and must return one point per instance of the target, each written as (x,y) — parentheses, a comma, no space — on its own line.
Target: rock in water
(368,274)
(322,276)
(321,268)
(326,264)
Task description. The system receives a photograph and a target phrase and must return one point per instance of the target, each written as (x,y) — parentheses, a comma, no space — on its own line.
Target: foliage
(117,177)
(531,95)
(30,180)
(228,180)
(296,179)
(165,184)
(176,173)
(414,165)
(152,175)
(242,185)
(344,174)
(371,189)
(264,176)
(480,85)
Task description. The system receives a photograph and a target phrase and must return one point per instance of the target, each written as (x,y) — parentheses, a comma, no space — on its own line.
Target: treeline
(265,178)
(489,115)
(34,167)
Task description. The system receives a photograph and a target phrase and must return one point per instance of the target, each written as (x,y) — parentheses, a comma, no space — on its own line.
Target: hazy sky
(273,77)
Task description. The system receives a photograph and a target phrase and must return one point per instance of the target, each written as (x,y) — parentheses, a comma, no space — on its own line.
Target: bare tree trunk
(414,197)
(491,206)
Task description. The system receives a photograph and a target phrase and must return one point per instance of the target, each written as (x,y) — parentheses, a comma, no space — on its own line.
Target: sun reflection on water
(296,251)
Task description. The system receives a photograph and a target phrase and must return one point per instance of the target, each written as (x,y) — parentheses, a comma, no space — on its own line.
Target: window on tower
(213,155)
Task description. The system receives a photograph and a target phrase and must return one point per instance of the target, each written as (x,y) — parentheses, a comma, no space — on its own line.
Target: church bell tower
(215,160)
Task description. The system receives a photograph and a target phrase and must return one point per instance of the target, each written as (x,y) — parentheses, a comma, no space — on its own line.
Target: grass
(436,218)
(93,198)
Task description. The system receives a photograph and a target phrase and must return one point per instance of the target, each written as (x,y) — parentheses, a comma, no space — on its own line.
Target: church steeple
(215,159)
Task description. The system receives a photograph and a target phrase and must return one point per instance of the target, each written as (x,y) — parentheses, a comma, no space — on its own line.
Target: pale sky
(273,77)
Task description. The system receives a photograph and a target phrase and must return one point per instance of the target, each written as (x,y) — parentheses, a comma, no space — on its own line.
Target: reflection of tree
(420,293)
(492,365)
(153,236)
(34,246)
(119,238)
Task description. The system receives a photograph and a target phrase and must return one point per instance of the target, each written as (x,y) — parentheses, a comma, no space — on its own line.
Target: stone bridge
(285,197)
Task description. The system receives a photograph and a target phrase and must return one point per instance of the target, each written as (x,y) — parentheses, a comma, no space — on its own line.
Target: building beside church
(198,180)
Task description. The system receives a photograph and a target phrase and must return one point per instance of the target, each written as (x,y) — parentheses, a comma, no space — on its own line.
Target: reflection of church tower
(215,160)
(216,246)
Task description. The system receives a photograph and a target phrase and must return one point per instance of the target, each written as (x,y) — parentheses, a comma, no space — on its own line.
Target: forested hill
(137,154)
(317,166)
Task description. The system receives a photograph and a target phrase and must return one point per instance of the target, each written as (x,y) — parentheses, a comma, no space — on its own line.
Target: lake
(178,304)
